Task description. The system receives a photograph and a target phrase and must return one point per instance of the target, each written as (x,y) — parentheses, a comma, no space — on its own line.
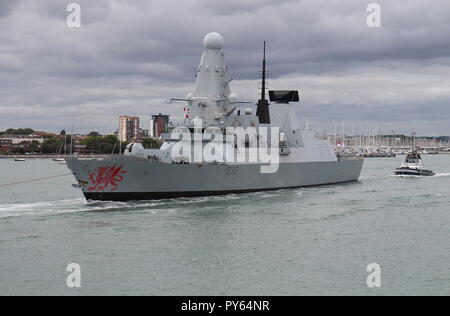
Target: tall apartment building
(159,124)
(129,128)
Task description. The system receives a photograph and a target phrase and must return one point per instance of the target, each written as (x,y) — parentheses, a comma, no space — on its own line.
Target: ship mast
(263,88)
(263,105)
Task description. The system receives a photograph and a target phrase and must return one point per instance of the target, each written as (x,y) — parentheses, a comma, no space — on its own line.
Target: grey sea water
(295,242)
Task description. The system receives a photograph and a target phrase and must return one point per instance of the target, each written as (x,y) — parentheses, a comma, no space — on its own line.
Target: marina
(52,157)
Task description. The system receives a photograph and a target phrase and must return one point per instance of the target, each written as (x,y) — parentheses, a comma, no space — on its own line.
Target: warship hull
(131,179)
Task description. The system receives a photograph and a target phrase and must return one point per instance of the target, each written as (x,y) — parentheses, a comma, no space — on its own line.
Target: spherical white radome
(233,98)
(213,40)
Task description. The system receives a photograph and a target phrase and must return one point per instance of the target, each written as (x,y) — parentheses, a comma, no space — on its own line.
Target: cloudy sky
(129,56)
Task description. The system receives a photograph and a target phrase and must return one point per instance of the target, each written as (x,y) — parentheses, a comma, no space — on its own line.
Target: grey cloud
(140,52)
(92,11)
(232,7)
(6,6)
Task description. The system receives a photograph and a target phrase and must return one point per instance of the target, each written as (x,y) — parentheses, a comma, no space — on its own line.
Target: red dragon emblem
(104,177)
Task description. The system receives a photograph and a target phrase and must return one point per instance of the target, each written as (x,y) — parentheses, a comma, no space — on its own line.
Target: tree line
(94,142)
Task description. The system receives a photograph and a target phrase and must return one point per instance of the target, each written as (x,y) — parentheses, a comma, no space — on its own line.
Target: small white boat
(58,158)
(19,159)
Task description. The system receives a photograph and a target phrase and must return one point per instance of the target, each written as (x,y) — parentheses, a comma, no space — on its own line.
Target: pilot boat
(413,166)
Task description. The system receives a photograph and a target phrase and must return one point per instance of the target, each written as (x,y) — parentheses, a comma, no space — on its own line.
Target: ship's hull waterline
(121,179)
(414,172)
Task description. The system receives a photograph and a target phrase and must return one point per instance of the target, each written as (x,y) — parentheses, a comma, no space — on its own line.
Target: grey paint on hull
(145,181)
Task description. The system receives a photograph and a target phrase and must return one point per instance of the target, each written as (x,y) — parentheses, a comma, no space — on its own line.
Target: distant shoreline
(43,156)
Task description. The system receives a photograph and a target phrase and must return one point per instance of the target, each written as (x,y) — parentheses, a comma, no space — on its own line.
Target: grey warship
(299,158)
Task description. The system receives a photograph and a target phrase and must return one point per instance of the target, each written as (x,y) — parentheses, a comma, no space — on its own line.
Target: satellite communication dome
(213,41)
(233,98)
